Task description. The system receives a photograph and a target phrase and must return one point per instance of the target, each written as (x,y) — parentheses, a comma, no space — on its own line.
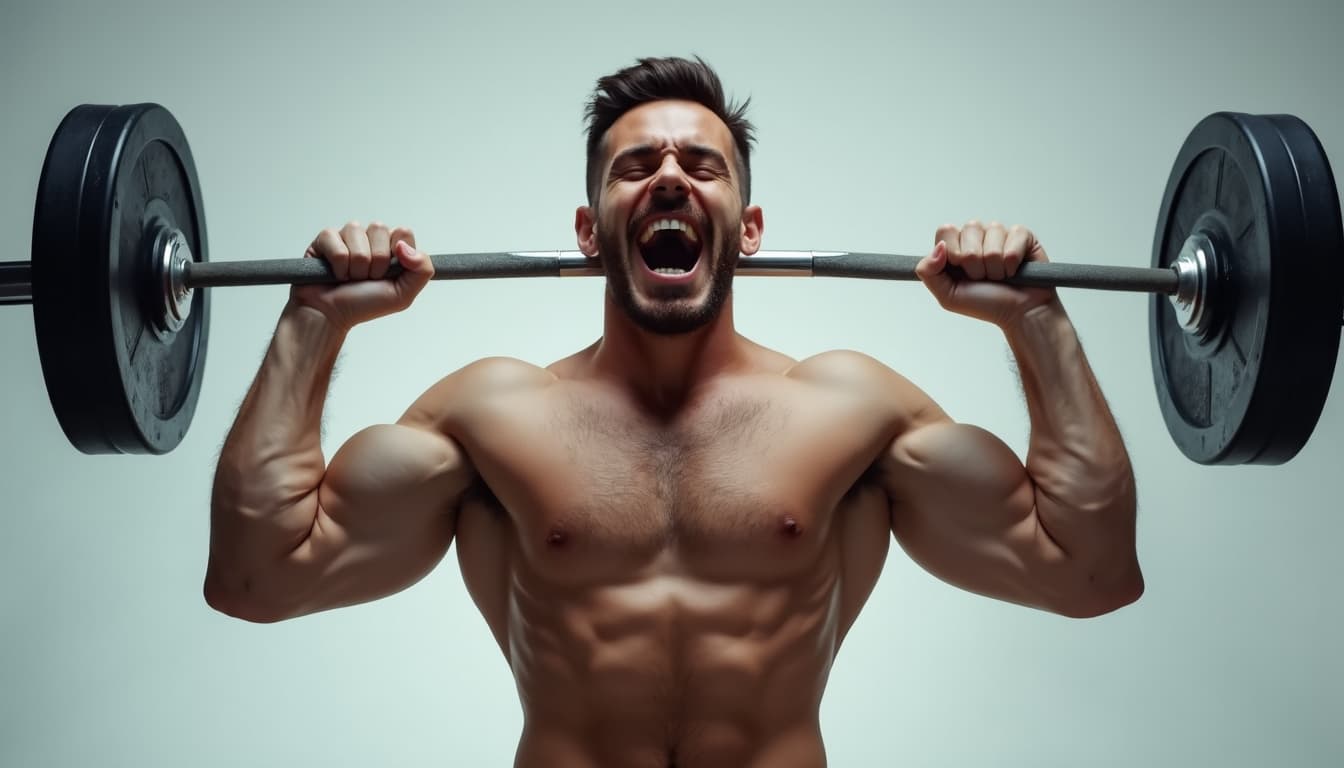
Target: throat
(665,368)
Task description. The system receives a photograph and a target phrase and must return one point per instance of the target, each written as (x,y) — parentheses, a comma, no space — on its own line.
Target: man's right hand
(360,256)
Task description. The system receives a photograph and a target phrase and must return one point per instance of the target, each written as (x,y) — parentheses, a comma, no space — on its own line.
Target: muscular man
(670,531)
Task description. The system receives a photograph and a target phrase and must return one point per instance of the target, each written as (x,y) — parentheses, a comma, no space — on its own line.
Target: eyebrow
(694,150)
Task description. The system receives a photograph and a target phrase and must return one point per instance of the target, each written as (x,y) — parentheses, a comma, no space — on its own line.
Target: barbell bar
(1249,249)
(15,276)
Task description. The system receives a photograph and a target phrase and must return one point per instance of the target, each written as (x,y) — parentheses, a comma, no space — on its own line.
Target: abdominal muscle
(678,661)
(668,669)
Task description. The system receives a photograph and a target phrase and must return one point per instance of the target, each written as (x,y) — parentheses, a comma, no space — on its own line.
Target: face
(669,221)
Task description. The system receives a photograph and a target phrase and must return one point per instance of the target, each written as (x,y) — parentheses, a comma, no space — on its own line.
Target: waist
(641,685)
(691,743)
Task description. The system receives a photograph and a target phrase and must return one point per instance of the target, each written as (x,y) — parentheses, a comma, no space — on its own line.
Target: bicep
(964,508)
(385,516)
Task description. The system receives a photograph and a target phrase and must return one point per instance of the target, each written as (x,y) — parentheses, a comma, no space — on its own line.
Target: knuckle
(351,226)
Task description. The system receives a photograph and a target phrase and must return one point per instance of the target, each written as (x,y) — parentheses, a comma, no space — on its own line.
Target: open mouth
(670,247)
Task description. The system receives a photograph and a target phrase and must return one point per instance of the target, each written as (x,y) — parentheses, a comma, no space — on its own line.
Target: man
(671,531)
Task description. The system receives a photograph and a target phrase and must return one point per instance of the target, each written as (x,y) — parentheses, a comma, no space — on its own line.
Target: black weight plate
(115,385)
(1313,345)
(1252,390)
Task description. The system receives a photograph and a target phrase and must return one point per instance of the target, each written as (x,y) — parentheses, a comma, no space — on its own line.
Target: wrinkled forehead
(668,124)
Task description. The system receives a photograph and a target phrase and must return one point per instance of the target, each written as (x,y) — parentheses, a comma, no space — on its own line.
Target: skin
(670,534)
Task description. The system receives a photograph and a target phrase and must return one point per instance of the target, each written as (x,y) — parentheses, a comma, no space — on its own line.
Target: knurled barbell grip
(1031,275)
(457,266)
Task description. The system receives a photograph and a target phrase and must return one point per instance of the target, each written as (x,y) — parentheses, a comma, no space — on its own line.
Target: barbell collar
(170,299)
(1193,300)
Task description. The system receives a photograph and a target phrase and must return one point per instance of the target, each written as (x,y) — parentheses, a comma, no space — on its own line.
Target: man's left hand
(986,255)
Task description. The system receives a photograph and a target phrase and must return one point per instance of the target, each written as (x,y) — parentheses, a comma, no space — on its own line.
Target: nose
(669,183)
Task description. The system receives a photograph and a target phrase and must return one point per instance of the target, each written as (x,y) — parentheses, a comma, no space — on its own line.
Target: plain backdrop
(877,122)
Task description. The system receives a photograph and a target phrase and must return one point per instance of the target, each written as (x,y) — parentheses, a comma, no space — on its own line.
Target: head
(669,179)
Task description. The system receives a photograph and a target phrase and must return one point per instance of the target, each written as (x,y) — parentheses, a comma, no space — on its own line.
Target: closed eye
(699,161)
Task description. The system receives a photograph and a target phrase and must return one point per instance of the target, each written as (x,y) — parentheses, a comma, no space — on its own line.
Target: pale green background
(877,122)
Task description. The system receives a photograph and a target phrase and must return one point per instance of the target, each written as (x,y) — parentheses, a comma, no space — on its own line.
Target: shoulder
(492,376)
(475,387)
(869,382)
(503,374)
(845,369)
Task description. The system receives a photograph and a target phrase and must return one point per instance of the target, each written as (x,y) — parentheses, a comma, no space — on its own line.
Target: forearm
(265,492)
(1084,484)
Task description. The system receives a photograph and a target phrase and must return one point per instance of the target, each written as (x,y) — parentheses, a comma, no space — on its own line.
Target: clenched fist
(985,255)
(359,256)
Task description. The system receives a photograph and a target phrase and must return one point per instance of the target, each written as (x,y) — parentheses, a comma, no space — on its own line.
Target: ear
(585,230)
(753,227)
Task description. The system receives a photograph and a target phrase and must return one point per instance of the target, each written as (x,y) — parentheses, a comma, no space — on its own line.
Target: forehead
(669,123)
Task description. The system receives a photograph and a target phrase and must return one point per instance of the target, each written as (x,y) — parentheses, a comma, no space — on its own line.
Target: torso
(671,591)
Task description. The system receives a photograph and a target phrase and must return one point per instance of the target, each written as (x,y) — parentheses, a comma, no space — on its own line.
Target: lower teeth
(670,271)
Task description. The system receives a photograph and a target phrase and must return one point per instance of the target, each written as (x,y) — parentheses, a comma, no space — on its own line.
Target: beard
(667,310)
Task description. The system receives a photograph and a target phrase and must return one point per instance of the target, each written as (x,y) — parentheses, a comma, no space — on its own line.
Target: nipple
(791,528)
(557,537)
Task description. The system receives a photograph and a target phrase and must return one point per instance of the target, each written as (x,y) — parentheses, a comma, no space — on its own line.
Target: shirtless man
(671,531)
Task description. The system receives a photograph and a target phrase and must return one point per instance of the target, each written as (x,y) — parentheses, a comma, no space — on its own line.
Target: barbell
(1244,319)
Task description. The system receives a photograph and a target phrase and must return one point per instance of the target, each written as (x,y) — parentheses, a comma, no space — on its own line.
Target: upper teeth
(662,224)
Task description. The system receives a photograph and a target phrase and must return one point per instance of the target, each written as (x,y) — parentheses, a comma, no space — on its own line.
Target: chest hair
(677,469)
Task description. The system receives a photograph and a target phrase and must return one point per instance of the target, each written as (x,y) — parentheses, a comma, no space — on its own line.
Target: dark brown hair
(654,80)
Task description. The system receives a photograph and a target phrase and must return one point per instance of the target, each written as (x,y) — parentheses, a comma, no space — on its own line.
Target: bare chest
(737,488)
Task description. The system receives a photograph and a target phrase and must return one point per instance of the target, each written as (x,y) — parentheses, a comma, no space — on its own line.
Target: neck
(663,372)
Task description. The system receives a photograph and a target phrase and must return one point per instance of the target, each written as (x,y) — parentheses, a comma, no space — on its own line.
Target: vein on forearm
(1076,456)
